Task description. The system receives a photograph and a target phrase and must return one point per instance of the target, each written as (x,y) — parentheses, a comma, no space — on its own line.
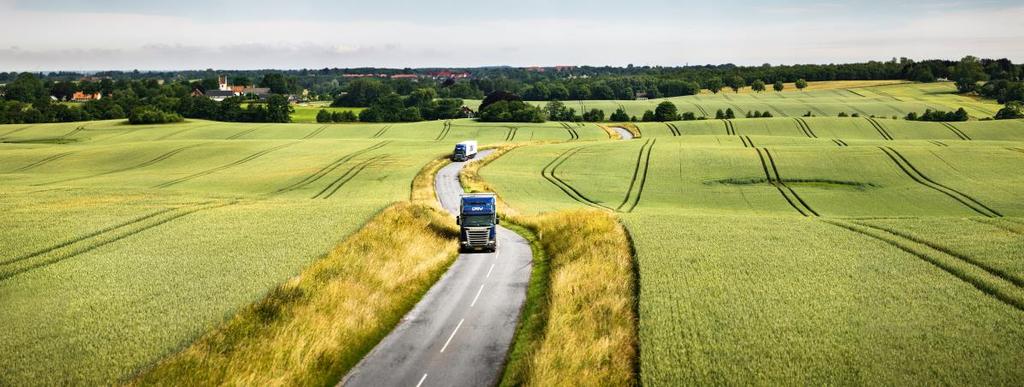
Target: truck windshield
(477,220)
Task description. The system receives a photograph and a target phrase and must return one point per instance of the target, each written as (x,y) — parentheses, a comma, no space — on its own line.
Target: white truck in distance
(464,151)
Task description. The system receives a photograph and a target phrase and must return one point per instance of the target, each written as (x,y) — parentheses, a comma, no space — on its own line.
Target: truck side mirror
(458,220)
(497,220)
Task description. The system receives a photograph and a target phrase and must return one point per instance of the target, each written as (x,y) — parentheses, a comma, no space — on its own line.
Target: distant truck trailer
(478,222)
(464,151)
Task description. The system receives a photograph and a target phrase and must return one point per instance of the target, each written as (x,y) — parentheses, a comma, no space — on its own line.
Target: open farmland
(123,243)
(828,99)
(306,113)
(808,251)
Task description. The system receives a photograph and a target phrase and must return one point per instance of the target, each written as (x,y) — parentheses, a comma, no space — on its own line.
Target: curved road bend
(459,333)
(626,135)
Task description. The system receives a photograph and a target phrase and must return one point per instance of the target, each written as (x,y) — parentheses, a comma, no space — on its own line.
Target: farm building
(82,96)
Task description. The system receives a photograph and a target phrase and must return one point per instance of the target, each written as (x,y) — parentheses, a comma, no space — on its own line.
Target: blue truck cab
(464,151)
(478,221)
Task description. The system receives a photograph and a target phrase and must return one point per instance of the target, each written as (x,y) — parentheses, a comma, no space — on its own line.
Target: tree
(278,109)
(719,115)
(729,114)
(619,116)
(324,116)
(922,74)
(147,115)
(511,111)
(1012,110)
(555,110)
(648,116)
(779,86)
(736,83)
(714,85)
(362,92)
(422,98)
(801,84)
(594,115)
(757,85)
(241,80)
(25,88)
(967,73)
(666,111)
(497,96)
(277,83)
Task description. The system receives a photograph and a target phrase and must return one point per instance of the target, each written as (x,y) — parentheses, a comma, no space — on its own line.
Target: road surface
(459,333)
(626,135)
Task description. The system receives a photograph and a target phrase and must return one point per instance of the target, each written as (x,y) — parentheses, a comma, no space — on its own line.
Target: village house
(82,96)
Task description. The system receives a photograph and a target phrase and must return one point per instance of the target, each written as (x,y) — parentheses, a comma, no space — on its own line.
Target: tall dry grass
(580,322)
(312,329)
(590,333)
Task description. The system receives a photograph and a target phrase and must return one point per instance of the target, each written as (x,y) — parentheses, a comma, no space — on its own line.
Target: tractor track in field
(445,129)
(952,265)
(382,131)
(548,173)
(573,134)
(673,128)
(806,129)
(327,169)
(840,142)
(959,133)
(747,142)
(730,128)
(701,108)
(796,201)
(350,174)
(96,239)
(4,136)
(856,93)
(879,128)
(643,163)
(1018,150)
(995,223)
(938,143)
(315,132)
(814,108)
(43,161)
(963,257)
(235,163)
(916,175)
(242,133)
(144,164)
(512,132)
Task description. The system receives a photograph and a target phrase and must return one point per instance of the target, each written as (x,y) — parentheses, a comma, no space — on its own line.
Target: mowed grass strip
(313,328)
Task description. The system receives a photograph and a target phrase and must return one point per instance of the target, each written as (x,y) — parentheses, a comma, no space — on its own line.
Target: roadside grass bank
(315,327)
(580,318)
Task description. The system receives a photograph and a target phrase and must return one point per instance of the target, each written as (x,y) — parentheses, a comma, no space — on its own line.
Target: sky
(88,35)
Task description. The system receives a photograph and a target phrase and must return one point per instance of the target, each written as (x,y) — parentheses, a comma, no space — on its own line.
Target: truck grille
(478,236)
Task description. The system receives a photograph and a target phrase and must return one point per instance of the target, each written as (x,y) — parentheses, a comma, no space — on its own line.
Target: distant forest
(27,96)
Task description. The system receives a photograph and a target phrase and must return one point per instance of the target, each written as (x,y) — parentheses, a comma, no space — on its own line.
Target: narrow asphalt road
(626,135)
(459,333)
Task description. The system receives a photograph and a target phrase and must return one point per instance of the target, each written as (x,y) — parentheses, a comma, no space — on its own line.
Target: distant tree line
(29,99)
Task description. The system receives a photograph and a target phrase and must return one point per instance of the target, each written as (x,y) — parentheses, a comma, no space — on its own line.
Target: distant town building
(82,97)
(405,76)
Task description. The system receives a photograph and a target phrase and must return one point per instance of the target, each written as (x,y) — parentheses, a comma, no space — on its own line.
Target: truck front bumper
(490,245)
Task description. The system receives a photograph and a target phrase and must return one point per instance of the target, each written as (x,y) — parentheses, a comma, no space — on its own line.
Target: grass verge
(312,329)
(583,328)
(580,321)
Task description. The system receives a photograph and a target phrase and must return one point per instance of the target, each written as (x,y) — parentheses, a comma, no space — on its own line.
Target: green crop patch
(809,250)
(123,244)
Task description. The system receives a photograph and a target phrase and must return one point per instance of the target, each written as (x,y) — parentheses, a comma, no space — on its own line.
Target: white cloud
(91,41)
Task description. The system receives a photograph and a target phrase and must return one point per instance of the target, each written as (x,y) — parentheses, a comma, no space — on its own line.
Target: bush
(511,111)
(594,115)
(929,115)
(1011,111)
(145,115)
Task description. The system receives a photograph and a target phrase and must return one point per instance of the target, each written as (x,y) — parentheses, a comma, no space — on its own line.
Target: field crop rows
(881,99)
(124,242)
(810,250)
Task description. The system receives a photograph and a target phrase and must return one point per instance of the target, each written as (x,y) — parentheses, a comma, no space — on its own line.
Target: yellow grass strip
(312,329)
(580,321)
(589,332)
(423,184)
(612,134)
